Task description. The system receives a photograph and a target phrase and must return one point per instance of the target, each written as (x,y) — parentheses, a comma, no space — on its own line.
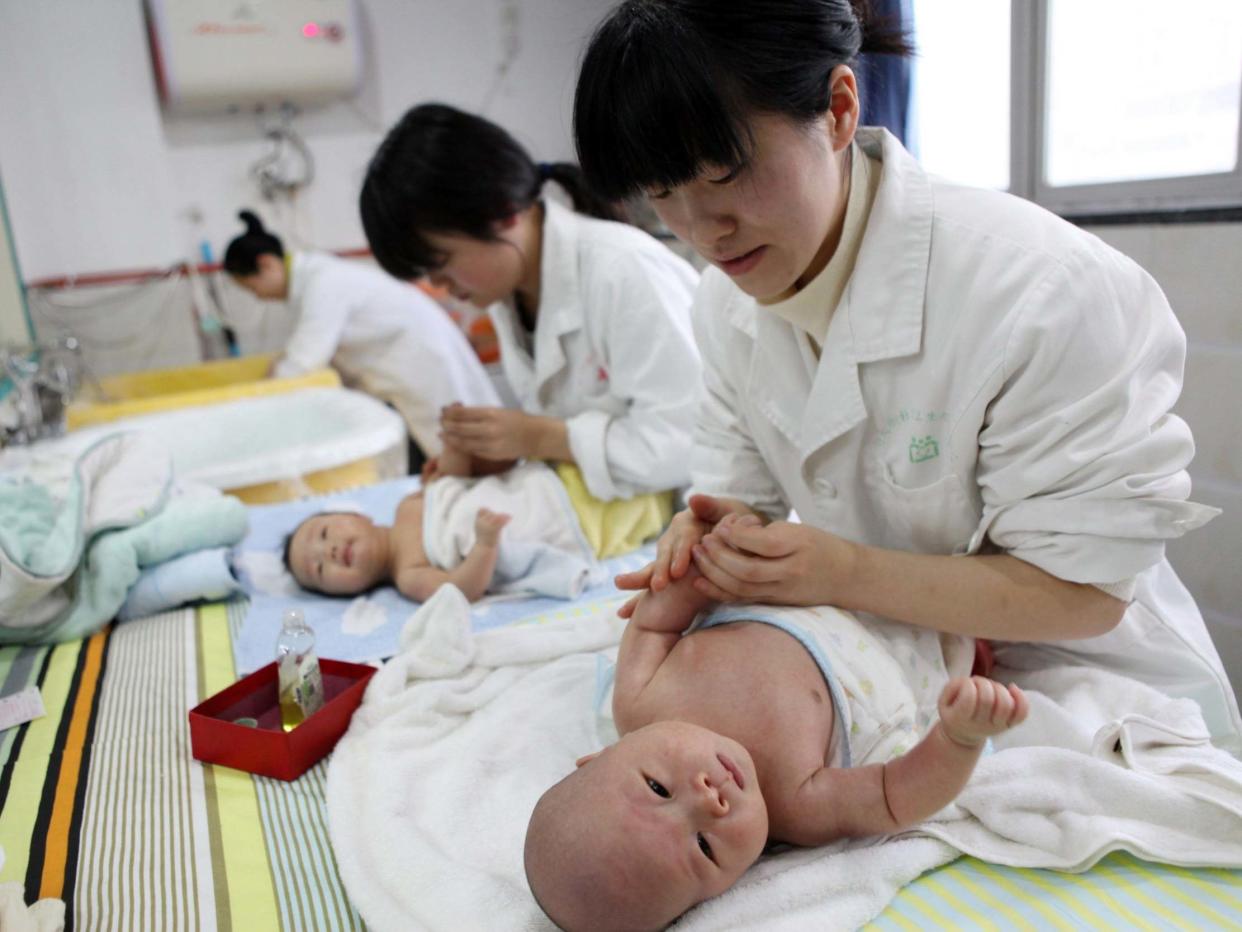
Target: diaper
(885,678)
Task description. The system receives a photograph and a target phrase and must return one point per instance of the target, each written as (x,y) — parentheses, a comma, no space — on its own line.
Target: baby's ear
(587,758)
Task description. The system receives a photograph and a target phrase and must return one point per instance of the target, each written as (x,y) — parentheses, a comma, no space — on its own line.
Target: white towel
(430,790)
(542,548)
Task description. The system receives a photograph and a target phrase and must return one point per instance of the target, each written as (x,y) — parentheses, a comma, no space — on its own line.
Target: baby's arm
(656,625)
(472,576)
(884,798)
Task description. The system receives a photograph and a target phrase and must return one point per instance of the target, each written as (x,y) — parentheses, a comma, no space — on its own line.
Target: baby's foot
(972,708)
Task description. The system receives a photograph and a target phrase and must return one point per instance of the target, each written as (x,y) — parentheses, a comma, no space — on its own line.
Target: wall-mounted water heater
(243,55)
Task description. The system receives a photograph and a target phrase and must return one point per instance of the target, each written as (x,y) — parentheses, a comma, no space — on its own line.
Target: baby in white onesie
(755,724)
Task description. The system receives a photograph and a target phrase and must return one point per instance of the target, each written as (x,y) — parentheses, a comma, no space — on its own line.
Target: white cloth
(430,790)
(992,374)
(613,352)
(46,915)
(385,337)
(542,548)
(885,678)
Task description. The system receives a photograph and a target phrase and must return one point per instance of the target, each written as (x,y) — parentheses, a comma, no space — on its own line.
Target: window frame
(1191,194)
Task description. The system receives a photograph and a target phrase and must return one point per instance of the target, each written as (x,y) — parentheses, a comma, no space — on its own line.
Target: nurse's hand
(676,545)
(496,433)
(780,564)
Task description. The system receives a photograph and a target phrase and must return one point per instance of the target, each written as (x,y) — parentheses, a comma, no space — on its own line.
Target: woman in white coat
(384,336)
(965,400)
(592,315)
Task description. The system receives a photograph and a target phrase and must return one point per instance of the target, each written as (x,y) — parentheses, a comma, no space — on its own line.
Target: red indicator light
(310,30)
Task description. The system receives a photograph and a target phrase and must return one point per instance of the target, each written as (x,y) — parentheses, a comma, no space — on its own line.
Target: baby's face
(336,554)
(681,810)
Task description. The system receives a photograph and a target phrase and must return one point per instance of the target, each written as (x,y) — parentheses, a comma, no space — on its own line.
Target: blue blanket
(366,628)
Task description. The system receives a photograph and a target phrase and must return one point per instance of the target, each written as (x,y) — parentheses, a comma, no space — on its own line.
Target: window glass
(1141,89)
(961,90)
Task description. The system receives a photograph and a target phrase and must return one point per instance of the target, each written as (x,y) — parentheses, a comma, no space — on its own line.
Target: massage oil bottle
(301,685)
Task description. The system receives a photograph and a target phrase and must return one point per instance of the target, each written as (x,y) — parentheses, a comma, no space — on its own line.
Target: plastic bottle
(301,685)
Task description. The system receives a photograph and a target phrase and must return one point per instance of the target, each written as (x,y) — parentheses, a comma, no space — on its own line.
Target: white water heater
(242,55)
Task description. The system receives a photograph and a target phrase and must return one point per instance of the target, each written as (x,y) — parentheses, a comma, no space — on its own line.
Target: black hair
(242,256)
(667,86)
(441,170)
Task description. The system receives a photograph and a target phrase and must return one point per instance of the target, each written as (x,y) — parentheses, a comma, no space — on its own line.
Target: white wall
(13,327)
(1199,266)
(98,178)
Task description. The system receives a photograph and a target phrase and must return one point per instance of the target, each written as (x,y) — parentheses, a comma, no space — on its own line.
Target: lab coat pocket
(933,518)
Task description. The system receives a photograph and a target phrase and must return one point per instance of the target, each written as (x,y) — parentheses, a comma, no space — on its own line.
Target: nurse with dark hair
(592,315)
(385,337)
(965,399)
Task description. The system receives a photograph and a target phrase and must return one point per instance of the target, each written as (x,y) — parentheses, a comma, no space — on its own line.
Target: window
(1117,105)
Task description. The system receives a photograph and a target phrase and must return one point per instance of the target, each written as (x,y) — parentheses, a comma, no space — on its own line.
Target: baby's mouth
(734,771)
(348,556)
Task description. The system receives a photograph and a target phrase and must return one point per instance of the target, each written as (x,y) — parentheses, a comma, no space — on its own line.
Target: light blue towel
(203,575)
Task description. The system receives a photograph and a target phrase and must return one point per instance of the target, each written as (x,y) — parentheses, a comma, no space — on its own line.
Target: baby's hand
(974,707)
(487,525)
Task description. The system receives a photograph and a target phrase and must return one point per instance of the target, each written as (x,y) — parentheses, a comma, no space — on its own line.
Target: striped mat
(102,805)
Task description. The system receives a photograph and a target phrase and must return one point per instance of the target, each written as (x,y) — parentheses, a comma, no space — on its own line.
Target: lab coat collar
(880,316)
(560,304)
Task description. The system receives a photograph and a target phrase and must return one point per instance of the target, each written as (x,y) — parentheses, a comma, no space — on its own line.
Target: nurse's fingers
(740,565)
(724,580)
(708,588)
(771,541)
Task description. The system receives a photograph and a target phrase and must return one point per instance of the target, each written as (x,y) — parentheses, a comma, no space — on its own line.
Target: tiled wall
(1199,266)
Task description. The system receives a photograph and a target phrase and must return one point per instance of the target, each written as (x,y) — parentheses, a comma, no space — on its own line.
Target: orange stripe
(57,852)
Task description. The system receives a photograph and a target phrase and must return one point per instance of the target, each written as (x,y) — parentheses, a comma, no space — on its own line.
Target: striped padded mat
(102,805)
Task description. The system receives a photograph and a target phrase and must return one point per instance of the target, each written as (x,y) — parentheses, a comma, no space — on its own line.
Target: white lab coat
(993,377)
(384,336)
(614,355)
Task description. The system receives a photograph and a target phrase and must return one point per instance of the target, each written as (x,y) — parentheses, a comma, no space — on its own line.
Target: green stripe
(224,917)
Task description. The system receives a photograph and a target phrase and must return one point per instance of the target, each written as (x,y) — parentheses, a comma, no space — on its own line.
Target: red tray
(269,749)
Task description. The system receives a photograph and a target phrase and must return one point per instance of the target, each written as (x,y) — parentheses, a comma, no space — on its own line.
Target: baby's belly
(756,684)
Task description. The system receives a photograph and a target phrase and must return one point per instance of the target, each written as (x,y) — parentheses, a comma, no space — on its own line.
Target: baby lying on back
(448,533)
(759,724)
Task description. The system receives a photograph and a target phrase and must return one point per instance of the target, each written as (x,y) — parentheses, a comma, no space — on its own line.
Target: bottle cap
(292,618)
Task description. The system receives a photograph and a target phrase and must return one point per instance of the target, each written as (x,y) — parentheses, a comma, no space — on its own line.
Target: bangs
(652,109)
(393,236)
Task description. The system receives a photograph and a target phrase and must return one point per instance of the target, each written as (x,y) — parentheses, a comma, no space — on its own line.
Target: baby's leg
(673,608)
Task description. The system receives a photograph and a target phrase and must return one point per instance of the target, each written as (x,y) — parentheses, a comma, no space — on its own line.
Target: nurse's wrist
(549,439)
(847,569)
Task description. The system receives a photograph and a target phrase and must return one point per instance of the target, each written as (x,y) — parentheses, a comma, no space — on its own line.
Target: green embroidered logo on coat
(923,448)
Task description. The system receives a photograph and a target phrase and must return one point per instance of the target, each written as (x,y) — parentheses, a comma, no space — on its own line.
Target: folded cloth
(201,575)
(430,790)
(542,548)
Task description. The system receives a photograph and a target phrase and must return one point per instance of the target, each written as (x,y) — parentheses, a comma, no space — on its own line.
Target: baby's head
(338,553)
(667,817)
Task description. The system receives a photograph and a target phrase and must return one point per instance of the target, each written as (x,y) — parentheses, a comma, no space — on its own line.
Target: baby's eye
(658,789)
(706,849)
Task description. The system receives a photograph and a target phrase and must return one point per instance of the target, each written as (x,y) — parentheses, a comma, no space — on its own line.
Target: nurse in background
(384,336)
(965,399)
(592,315)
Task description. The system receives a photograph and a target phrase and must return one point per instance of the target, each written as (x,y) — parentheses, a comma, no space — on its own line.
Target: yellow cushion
(619,526)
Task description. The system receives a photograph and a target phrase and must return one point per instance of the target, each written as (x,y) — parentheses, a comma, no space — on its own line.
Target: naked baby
(759,724)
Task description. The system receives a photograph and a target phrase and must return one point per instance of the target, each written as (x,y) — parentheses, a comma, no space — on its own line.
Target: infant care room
(620,464)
